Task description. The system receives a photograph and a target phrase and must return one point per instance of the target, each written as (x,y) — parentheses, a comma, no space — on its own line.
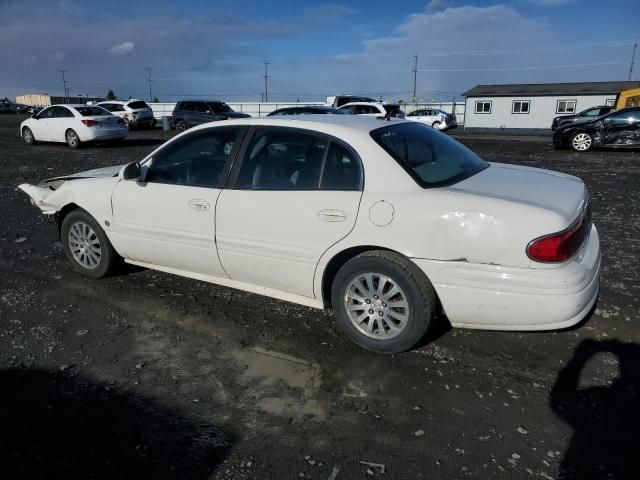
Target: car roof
(346,123)
(200,100)
(362,103)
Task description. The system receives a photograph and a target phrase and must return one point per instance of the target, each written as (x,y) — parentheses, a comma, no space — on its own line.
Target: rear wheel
(581,142)
(72,139)
(28,137)
(86,245)
(180,126)
(436,125)
(383,301)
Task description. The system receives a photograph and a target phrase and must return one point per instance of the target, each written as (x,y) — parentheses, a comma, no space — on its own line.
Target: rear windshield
(219,107)
(432,158)
(92,111)
(392,108)
(137,105)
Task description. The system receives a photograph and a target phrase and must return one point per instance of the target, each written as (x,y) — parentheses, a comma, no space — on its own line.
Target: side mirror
(130,171)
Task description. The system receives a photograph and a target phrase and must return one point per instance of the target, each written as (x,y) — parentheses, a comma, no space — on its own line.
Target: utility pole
(64,85)
(149,80)
(415,76)
(633,60)
(266,76)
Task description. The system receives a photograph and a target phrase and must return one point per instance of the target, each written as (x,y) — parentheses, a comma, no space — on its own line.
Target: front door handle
(332,215)
(199,205)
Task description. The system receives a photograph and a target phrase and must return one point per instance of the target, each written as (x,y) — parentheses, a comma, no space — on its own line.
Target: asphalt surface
(148,375)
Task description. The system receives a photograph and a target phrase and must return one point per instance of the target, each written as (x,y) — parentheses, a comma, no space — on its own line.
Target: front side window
(566,106)
(483,107)
(520,106)
(197,160)
(432,159)
(624,118)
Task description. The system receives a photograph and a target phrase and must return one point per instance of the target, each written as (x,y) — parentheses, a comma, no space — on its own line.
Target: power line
(541,67)
(613,43)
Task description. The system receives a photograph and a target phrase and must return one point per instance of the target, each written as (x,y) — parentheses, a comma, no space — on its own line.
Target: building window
(610,102)
(566,106)
(520,106)
(483,106)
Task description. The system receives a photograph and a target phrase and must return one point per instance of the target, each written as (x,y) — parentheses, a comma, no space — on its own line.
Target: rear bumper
(91,134)
(143,122)
(507,298)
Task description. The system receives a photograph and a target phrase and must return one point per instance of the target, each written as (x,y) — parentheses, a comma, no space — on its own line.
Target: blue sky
(216,48)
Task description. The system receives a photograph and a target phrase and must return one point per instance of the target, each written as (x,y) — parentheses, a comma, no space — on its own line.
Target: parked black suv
(189,113)
(588,114)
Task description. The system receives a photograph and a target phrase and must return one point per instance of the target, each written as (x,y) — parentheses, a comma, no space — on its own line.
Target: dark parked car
(588,114)
(306,110)
(189,113)
(617,129)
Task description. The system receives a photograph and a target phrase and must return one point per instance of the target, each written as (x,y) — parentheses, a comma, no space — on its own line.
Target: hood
(95,173)
(552,191)
(235,115)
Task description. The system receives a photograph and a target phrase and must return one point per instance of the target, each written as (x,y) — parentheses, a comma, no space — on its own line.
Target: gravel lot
(147,375)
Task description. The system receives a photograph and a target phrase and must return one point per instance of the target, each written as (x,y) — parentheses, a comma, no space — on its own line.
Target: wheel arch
(64,211)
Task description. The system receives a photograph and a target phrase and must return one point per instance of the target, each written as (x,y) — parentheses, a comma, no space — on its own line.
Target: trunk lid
(562,194)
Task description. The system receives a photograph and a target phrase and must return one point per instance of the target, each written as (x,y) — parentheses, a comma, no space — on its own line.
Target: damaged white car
(384,221)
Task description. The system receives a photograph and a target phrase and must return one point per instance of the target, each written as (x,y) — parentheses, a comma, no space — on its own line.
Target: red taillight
(89,123)
(560,246)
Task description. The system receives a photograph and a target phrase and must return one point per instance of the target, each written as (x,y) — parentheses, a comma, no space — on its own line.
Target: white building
(533,106)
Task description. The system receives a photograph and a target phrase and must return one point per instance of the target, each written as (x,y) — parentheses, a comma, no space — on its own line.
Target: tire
(72,138)
(80,230)
(389,329)
(436,125)
(180,126)
(581,142)
(28,137)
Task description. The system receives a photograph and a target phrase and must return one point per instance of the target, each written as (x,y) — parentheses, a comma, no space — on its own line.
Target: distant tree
(155,100)
(111,95)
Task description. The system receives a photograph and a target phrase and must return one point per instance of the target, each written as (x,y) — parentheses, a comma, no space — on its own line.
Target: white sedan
(385,221)
(73,125)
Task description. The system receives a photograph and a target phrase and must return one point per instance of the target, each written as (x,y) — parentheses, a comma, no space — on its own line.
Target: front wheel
(383,301)
(72,139)
(581,142)
(86,245)
(28,137)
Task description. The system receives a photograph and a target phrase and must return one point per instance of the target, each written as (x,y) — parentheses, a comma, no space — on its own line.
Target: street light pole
(415,76)
(266,76)
(149,80)
(633,60)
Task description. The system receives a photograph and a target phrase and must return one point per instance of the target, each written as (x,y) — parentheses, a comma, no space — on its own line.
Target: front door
(296,193)
(622,128)
(168,219)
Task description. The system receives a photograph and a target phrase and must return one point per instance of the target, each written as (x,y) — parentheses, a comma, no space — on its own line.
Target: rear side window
(92,111)
(219,107)
(432,159)
(137,105)
(292,159)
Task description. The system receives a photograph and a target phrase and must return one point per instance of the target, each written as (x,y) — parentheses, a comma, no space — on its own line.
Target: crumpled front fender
(47,200)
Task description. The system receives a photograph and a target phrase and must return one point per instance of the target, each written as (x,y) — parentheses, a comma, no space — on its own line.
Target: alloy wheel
(581,142)
(85,245)
(376,305)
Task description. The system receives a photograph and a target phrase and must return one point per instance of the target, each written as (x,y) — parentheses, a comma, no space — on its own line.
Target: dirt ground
(147,375)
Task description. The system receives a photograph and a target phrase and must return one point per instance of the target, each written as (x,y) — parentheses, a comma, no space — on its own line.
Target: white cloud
(549,3)
(122,48)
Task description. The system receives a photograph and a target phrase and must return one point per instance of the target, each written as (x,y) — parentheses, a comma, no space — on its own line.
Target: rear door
(294,195)
(60,122)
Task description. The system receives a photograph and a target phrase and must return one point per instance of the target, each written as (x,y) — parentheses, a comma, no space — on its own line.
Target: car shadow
(605,418)
(60,425)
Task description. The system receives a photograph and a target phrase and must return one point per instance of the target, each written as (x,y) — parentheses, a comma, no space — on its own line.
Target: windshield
(430,157)
(137,105)
(219,107)
(93,111)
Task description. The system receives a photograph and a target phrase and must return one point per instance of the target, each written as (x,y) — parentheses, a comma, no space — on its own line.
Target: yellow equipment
(628,98)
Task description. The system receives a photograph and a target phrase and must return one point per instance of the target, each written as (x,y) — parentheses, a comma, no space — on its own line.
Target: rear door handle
(332,215)
(199,205)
